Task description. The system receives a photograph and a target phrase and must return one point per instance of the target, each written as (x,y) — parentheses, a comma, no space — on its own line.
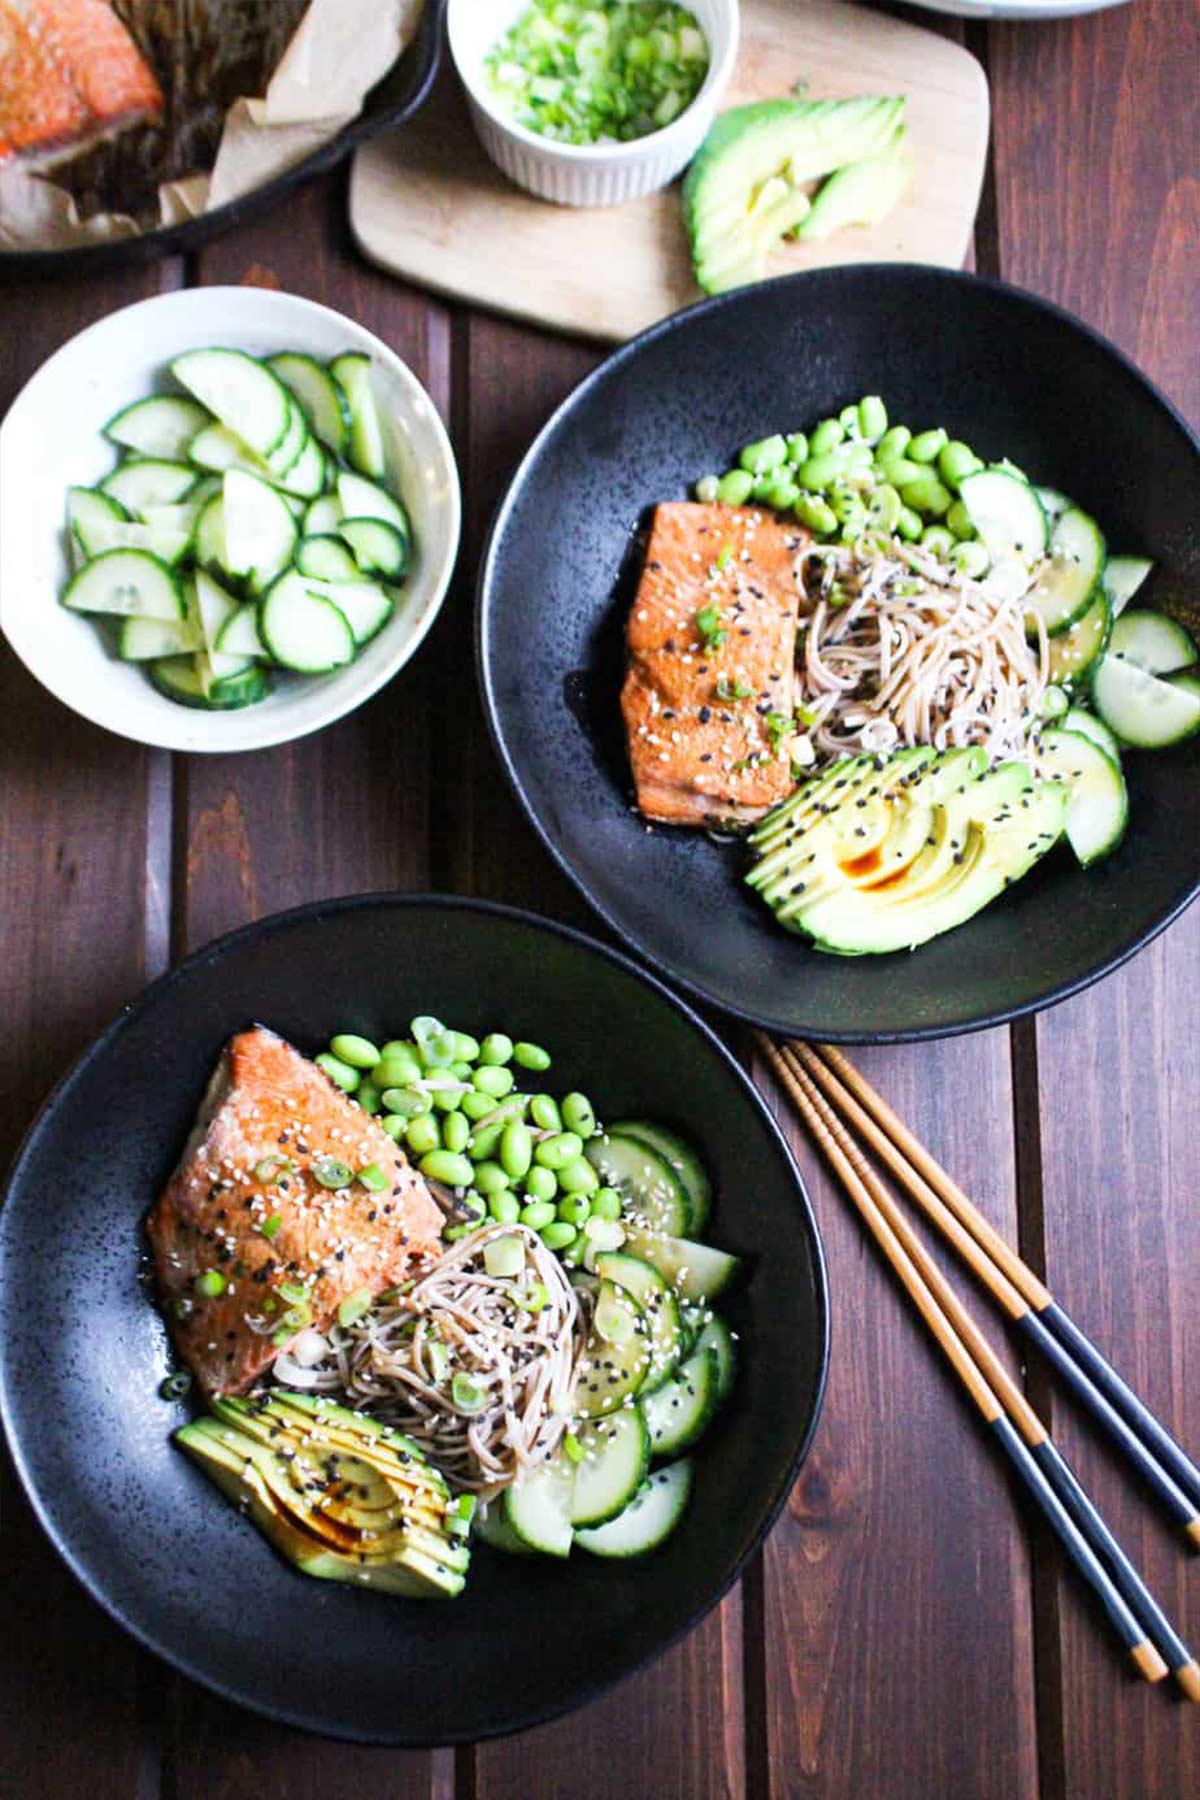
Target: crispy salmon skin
(711,641)
(246,1212)
(69,73)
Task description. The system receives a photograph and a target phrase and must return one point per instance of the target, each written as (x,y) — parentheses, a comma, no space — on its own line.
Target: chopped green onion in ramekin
(601,72)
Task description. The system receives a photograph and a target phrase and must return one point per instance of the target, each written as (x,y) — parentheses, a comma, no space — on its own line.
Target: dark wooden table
(905,1633)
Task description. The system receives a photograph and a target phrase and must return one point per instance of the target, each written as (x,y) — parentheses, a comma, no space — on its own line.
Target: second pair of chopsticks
(1139,1622)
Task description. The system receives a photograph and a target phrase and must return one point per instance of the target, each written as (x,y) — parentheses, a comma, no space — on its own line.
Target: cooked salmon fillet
(245,1208)
(69,73)
(711,637)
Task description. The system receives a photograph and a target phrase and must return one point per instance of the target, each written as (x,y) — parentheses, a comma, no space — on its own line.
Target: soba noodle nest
(517,1340)
(902,649)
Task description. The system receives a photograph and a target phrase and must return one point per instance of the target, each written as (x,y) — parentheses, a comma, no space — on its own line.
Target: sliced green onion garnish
(503,1257)
(467,1394)
(297,1317)
(439,1361)
(176,1386)
(330,1172)
(532,1296)
(460,1515)
(354,1306)
(373,1177)
(210,1284)
(272,1167)
(270,1227)
(708,624)
(183,1308)
(573,1448)
(725,558)
(295,1291)
(615,1320)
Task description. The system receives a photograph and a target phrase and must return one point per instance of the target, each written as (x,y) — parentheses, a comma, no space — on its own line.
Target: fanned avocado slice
(745,190)
(862,193)
(335,1497)
(824,798)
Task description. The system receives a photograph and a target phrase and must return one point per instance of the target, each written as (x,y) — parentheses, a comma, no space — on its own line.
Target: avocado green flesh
(894,864)
(847,780)
(750,146)
(862,193)
(339,1496)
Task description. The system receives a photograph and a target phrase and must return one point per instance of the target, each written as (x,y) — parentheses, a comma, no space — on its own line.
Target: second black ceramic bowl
(83,1351)
(1012,375)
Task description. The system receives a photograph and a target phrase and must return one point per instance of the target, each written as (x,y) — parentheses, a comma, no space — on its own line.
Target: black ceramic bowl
(403,90)
(1013,376)
(82,1351)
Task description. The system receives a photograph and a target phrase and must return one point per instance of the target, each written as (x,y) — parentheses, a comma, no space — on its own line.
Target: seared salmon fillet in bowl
(69,74)
(289,1200)
(709,693)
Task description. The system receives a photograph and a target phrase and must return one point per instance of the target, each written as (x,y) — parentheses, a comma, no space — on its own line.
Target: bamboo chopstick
(1161,1462)
(1042,1447)
(1144,1656)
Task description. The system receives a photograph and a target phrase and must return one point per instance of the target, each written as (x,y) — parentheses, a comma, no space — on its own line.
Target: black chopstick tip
(1148,1663)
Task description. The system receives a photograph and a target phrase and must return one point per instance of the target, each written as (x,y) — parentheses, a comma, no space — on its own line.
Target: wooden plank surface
(1100,209)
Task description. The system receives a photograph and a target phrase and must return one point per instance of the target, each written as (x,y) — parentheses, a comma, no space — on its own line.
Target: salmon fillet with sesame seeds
(69,73)
(710,688)
(245,1211)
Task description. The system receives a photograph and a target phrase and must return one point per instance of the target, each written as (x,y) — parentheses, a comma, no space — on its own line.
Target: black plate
(1010,374)
(403,90)
(82,1351)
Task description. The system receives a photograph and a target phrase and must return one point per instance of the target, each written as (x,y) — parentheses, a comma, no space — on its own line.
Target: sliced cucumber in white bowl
(129,583)
(162,426)
(301,630)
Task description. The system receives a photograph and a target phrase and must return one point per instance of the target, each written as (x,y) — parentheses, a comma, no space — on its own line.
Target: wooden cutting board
(426,203)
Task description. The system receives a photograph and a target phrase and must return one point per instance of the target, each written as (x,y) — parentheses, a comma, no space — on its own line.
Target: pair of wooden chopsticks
(831,1096)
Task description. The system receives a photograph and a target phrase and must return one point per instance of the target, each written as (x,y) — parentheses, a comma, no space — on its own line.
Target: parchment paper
(340,49)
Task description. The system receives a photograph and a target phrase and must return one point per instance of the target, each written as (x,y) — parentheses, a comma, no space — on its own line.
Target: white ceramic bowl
(593,174)
(51,439)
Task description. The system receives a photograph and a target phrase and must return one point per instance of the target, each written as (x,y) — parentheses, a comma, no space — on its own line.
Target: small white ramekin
(593,174)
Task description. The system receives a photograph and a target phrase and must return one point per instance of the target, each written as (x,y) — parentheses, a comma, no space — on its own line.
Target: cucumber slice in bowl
(1006,513)
(652,1192)
(238,636)
(616,1361)
(185,679)
(89,508)
(162,426)
(287,452)
(379,549)
(1121,578)
(361,499)
(241,392)
(717,1338)
(322,516)
(352,373)
(611,1463)
(327,559)
(146,640)
(538,1508)
(318,393)
(1098,807)
(1065,588)
(260,532)
(648,1520)
(1142,710)
(95,536)
(682,1409)
(664,1329)
(1089,726)
(149,482)
(694,1271)
(301,630)
(1150,641)
(1074,651)
(683,1159)
(129,583)
(365,606)
(491,1527)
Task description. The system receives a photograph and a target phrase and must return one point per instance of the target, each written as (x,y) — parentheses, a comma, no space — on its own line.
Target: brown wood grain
(73,907)
(1098,206)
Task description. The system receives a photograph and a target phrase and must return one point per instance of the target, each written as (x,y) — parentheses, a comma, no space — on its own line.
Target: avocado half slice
(888,860)
(745,189)
(338,1494)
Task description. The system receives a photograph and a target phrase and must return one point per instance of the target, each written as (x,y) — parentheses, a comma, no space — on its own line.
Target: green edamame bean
(854,524)
(446,1099)
(516,1149)
(558,1235)
(536,1214)
(556,1152)
(707,489)
(461,1071)
(494,1080)
(456,1132)
(959,520)
(543,1110)
(926,495)
(827,436)
(576,1209)
(578,1177)
(939,539)
(395,1124)
(476,1206)
(476,1105)
(531,1056)
(767,453)
(448,1167)
(423,1135)
(883,508)
(844,500)
(395,1070)
(606,1203)
(367,1095)
(859,458)
(822,471)
(496,1049)
(341,1074)
(541,1184)
(797,447)
(816,514)
(909,525)
(872,419)
(848,420)
(956,460)
(490,1178)
(578,1116)
(927,445)
(404,1101)
(899,469)
(894,442)
(733,489)
(466,1047)
(972,559)
(485,1141)
(780,493)
(359,1052)
(399,1047)
(504,1206)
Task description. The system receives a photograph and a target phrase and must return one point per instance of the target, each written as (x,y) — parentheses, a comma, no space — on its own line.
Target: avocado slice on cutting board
(862,193)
